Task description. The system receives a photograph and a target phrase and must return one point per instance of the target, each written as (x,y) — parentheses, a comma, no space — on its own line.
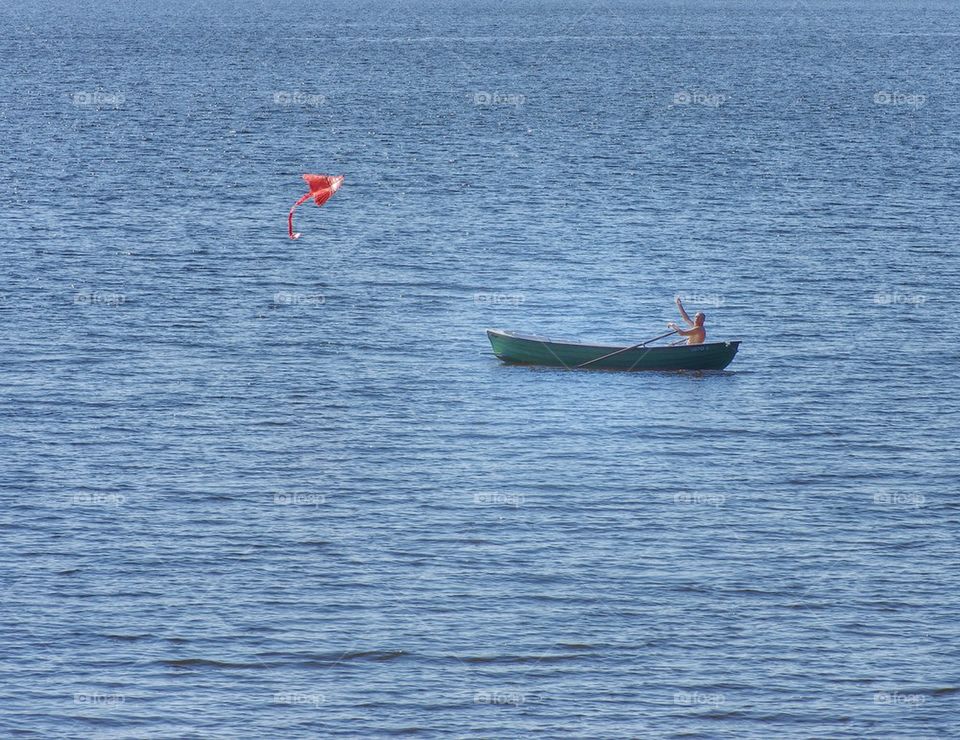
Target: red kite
(321,188)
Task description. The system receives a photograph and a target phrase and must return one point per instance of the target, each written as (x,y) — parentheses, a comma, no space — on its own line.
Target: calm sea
(262,488)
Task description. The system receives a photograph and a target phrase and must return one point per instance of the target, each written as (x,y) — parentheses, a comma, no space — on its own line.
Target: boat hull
(531,350)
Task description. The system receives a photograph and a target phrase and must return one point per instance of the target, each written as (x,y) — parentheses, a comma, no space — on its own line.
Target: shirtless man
(696,334)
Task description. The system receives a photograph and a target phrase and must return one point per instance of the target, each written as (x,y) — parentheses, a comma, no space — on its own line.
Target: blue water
(262,488)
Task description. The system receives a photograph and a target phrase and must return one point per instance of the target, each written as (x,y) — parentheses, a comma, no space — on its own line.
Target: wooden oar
(625,349)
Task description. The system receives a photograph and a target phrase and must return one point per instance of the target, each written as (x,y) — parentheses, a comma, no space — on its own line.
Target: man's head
(699,318)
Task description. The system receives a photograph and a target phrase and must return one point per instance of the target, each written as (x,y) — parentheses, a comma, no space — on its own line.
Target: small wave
(405,731)
(332,658)
(945,691)
(519,659)
(207,663)
(374,656)
(717,714)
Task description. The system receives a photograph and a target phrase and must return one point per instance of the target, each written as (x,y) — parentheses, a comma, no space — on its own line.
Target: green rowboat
(531,350)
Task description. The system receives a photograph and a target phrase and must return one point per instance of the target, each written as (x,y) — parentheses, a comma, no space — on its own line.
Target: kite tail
(304,199)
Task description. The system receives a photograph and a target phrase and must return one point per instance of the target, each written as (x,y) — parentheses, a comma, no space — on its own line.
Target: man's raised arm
(684,313)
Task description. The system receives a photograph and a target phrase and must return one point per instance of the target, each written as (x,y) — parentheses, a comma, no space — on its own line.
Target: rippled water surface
(262,488)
